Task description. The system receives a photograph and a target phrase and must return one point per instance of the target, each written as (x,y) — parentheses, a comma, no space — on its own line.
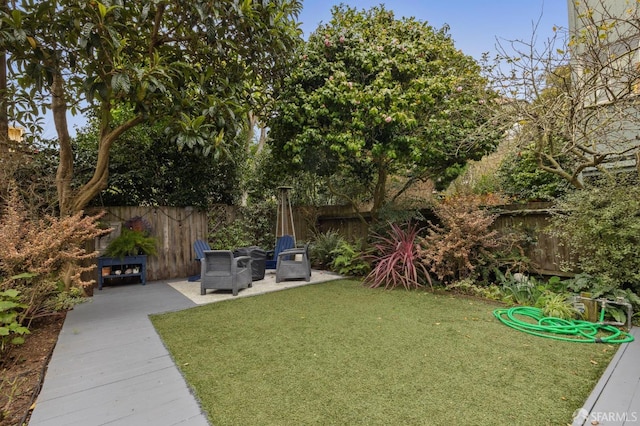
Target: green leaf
(18,340)
(102,9)
(6,305)
(16,15)
(121,83)
(24,275)
(617,314)
(10,293)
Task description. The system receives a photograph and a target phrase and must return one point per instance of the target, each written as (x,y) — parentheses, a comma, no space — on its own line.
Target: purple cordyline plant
(396,262)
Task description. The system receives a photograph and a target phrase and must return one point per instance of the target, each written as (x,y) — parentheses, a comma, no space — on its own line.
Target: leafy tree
(372,96)
(147,168)
(201,64)
(575,96)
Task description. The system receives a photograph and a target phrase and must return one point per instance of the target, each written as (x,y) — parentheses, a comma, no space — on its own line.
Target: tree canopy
(147,168)
(202,64)
(373,96)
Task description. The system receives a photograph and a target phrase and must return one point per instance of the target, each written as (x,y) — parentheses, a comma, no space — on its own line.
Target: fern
(131,243)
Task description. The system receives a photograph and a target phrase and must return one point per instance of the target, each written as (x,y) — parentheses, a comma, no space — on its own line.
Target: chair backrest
(199,247)
(218,260)
(284,242)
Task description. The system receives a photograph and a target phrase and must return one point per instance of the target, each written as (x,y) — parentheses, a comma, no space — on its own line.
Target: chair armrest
(242,261)
(292,251)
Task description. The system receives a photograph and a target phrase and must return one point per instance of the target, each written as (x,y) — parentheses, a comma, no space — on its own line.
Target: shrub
(396,261)
(602,228)
(38,257)
(597,288)
(520,177)
(253,226)
(347,260)
(556,305)
(520,289)
(234,235)
(463,240)
(468,287)
(324,248)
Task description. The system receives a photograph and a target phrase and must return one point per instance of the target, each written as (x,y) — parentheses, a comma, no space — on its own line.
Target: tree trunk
(65,166)
(69,201)
(100,177)
(380,190)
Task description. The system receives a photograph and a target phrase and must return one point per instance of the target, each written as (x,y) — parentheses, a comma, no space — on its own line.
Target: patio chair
(284,242)
(294,264)
(220,270)
(199,246)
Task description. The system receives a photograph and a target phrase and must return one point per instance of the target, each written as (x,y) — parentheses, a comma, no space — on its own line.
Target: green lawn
(338,353)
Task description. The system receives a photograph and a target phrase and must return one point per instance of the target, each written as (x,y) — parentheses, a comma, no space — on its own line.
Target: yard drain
(531,320)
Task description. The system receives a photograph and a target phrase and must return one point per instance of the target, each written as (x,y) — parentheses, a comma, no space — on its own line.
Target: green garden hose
(531,320)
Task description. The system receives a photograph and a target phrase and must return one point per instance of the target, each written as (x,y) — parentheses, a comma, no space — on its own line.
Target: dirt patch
(23,370)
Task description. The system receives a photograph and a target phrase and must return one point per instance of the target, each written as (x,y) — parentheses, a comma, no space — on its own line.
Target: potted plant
(134,240)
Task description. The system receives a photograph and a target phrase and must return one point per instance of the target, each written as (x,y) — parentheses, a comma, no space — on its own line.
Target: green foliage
(520,178)
(520,289)
(66,300)
(468,287)
(487,184)
(602,225)
(372,96)
(146,167)
(347,260)
(131,243)
(34,174)
(599,288)
(11,330)
(235,234)
(392,213)
(323,248)
(556,305)
(253,226)
(199,65)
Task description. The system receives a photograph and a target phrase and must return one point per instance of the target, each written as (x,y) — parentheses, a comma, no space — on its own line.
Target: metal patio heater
(284,224)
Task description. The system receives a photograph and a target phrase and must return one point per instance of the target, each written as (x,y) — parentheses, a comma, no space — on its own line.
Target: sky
(475,25)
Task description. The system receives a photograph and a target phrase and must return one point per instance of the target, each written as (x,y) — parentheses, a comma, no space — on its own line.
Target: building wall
(605,60)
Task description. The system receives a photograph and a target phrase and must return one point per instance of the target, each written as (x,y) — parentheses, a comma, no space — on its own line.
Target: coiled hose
(531,320)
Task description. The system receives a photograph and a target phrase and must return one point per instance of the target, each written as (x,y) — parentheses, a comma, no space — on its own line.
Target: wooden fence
(548,254)
(177,228)
(312,220)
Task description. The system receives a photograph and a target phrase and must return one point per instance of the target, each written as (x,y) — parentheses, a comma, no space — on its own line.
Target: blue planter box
(107,267)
